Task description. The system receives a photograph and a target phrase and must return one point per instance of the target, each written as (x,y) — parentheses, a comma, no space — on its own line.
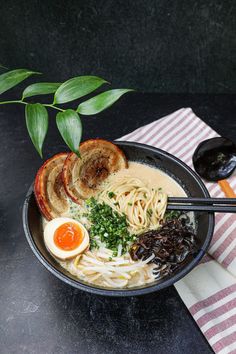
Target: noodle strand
(144,207)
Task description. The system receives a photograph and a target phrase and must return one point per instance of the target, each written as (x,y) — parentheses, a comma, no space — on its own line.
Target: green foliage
(70,127)
(41,88)
(100,102)
(13,78)
(77,87)
(68,121)
(36,117)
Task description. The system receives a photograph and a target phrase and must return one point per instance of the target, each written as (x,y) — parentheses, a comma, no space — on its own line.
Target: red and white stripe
(216,316)
(179,133)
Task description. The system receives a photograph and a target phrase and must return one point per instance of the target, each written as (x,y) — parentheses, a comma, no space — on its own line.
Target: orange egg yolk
(68,236)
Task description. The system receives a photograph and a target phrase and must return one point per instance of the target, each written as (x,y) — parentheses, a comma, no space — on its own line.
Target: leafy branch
(67,120)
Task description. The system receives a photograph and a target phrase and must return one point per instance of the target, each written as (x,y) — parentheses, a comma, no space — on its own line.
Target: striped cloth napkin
(209,291)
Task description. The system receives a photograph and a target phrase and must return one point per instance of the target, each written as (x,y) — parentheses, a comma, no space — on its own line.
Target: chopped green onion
(111,194)
(109,226)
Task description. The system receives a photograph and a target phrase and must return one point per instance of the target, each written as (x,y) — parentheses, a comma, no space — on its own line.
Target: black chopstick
(212,208)
(220,205)
(202,200)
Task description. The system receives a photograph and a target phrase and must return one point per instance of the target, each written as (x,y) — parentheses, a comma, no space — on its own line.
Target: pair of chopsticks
(219,205)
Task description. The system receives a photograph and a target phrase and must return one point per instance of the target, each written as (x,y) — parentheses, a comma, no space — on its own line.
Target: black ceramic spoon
(215,160)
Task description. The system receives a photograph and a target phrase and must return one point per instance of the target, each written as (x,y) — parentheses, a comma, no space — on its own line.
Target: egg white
(49,231)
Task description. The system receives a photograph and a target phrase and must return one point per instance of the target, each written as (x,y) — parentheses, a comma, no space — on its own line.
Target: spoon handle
(226,188)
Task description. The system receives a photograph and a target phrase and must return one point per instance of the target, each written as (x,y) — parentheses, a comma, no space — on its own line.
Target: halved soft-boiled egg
(65,238)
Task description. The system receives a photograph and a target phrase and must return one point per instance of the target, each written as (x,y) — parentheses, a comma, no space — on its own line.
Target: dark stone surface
(161,46)
(40,314)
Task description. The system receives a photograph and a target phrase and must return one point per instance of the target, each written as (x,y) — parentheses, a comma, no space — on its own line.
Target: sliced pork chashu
(49,189)
(82,176)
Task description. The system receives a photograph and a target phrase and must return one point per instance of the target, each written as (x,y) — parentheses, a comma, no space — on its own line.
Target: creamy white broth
(154,178)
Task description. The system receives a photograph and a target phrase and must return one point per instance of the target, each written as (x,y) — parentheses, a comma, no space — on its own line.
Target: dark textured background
(154,45)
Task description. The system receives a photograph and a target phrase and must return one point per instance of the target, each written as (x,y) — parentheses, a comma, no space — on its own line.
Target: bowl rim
(124,292)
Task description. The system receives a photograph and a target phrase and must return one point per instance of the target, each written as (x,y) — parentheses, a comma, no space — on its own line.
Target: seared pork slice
(83,176)
(49,189)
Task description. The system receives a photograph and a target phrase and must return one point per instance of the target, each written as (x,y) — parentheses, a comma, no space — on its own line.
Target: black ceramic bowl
(175,168)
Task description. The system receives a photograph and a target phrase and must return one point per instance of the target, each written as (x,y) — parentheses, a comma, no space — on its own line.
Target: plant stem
(44,104)
(52,106)
(16,101)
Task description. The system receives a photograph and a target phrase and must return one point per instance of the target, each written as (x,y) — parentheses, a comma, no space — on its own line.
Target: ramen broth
(153,177)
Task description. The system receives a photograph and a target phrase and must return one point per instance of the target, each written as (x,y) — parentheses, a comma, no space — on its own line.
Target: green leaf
(14,77)
(70,127)
(77,87)
(100,102)
(41,88)
(36,117)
